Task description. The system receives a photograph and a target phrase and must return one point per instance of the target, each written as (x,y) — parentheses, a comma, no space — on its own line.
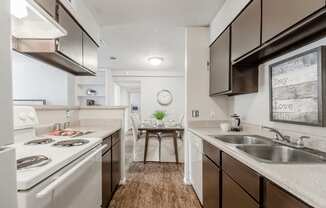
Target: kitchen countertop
(63,107)
(102,127)
(306,181)
(103,107)
(99,132)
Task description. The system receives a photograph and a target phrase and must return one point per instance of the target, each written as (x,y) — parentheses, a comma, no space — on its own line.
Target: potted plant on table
(159,116)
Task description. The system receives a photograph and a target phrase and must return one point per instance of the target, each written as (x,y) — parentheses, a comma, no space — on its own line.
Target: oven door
(79,187)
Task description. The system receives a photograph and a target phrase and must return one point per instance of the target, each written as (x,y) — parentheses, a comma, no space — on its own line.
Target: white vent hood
(31,21)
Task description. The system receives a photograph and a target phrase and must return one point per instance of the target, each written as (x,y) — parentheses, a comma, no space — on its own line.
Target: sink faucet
(279,135)
(285,140)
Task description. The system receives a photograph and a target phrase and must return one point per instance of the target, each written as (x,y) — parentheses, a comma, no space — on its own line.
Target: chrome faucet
(286,140)
(279,135)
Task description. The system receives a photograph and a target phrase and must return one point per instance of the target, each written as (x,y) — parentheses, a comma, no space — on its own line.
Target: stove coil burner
(32,162)
(40,141)
(71,143)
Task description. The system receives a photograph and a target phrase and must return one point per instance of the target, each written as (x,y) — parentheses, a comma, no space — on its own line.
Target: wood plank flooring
(155,185)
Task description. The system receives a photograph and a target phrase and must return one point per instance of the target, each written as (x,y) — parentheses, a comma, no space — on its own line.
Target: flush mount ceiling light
(155,61)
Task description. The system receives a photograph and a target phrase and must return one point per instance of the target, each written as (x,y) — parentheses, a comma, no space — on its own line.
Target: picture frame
(297,94)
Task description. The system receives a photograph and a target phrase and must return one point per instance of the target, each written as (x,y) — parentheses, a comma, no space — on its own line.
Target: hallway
(155,185)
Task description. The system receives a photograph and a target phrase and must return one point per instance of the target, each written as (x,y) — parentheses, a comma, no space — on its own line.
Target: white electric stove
(55,172)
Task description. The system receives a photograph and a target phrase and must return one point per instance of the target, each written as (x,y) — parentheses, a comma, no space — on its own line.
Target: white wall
(151,85)
(254,108)
(197,76)
(117,95)
(124,96)
(225,16)
(109,87)
(33,79)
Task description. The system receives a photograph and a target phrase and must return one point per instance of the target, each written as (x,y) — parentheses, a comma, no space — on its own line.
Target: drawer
(277,197)
(248,179)
(212,152)
(233,196)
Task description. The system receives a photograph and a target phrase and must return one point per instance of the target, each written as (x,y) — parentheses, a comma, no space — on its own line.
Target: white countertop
(99,132)
(64,107)
(306,181)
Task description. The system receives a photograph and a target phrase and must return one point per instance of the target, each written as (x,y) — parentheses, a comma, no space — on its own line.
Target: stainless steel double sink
(265,150)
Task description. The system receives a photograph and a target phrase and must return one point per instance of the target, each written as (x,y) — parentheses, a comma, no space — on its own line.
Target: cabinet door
(220,64)
(106,178)
(278,15)
(72,44)
(276,197)
(211,184)
(234,196)
(90,53)
(246,30)
(48,5)
(116,172)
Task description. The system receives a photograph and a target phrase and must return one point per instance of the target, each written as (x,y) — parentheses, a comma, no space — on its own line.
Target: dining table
(173,131)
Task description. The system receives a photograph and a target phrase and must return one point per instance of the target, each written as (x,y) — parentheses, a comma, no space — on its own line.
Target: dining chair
(134,127)
(138,134)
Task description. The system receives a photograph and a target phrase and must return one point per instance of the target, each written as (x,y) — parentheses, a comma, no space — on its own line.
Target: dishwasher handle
(66,175)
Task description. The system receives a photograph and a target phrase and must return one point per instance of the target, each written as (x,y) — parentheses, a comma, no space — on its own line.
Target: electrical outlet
(195,113)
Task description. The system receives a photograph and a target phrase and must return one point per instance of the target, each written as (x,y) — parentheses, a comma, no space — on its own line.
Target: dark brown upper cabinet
(220,64)
(246,30)
(48,5)
(89,52)
(71,45)
(279,15)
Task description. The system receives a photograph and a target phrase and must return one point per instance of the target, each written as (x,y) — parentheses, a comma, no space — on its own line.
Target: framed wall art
(296,89)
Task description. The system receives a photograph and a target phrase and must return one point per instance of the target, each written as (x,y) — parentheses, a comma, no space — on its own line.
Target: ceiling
(133,45)
(135,30)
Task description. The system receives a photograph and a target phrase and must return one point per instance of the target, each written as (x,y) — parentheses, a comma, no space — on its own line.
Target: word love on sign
(295,89)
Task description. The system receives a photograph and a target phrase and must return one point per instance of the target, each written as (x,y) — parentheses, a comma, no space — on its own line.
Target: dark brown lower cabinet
(233,196)
(211,184)
(111,173)
(116,169)
(277,197)
(106,178)
(247,178)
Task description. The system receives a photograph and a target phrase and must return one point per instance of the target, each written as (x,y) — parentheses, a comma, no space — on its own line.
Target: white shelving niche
(99,83)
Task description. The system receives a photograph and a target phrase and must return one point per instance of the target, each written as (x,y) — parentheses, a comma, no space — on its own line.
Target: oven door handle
(66,175)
